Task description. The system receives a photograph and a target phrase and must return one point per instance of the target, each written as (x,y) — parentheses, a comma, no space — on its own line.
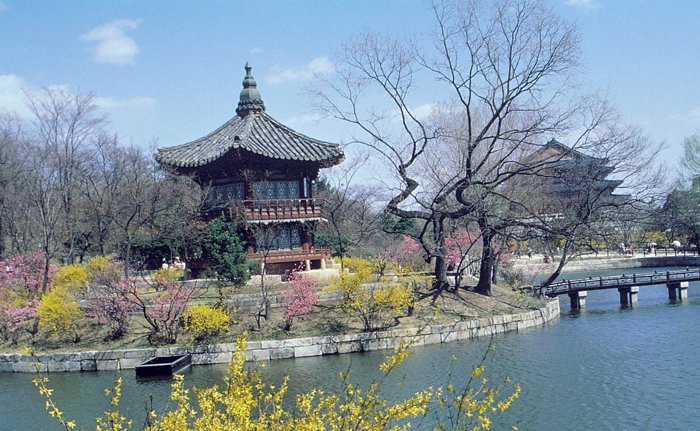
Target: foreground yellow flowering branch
(246,403)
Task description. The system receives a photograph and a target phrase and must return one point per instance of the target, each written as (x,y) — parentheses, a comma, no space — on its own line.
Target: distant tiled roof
(254,131)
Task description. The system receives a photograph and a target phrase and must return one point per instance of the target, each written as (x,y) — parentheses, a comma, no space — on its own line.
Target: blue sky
(172,71)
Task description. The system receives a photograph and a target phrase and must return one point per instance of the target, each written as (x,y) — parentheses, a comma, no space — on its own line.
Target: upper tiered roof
(254,132)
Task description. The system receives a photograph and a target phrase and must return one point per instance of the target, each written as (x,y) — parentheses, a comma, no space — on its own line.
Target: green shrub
(226,252)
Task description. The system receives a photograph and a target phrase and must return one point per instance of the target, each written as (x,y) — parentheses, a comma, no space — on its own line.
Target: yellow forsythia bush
(59,313)
(375,304)
(72,278)
(204,321)
(167,275)
(246,403)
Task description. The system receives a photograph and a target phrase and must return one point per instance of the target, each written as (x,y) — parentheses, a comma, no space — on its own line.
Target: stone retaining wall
(282,349)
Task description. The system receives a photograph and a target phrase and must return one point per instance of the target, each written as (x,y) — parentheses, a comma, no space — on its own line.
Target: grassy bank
(326,318)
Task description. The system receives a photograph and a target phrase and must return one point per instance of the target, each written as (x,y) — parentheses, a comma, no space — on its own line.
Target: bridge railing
(597,283)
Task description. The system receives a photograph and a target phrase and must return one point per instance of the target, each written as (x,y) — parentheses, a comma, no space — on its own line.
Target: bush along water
(246,402)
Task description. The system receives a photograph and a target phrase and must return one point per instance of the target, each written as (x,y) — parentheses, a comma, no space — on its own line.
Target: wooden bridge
(628,285)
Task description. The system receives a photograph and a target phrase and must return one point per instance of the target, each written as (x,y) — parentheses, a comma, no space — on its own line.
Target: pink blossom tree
(109,300)
(163,309)
(21,279)
(406,254)
(299,298)
(114,297)
(463,251)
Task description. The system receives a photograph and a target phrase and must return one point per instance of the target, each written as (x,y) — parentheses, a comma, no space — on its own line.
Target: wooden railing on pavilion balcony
(272,256)
(280,256)
(271,209)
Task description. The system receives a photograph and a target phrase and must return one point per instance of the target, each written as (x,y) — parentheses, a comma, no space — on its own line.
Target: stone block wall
(282,349)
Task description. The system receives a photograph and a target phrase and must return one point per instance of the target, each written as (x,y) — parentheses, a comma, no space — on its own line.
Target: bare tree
(142,199)
(504,67)
(10,142)
(354,209)
(66,126)
(503,75)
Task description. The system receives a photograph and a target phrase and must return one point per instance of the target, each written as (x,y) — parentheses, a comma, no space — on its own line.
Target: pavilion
(259,174)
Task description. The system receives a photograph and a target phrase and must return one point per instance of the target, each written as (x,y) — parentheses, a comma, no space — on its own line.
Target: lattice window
(280,237)
(264,190)
(296,236)
(226,192)
(283,238)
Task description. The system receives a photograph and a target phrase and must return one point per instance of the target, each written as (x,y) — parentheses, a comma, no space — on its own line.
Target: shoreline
(281,349)
(94,360)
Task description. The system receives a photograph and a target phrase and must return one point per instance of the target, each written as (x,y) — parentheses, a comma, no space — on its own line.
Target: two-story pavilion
(259,173)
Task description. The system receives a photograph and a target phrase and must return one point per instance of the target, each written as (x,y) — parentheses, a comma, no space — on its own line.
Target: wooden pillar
(304,240)
(250,242)
(302,193)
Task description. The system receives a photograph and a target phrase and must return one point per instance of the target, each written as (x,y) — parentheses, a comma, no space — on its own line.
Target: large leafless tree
(501,76)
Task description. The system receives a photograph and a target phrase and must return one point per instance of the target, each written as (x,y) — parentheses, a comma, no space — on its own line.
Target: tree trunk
(440,254)
(47,266)
(557,272)
(483,287)
(494,272)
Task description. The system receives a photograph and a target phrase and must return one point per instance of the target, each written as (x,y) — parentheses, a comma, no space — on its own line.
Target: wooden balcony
(283,256)
(259,210)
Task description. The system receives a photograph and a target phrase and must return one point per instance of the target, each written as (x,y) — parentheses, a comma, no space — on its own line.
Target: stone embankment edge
(282,349)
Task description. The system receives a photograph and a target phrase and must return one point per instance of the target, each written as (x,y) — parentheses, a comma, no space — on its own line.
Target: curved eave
(258,134)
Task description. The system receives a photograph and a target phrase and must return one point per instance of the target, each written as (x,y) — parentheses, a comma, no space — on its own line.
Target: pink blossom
(460,244)
(300,297)
(21,278)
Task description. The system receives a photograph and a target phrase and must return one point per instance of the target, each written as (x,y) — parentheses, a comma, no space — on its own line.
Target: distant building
(567,179)
(259,173)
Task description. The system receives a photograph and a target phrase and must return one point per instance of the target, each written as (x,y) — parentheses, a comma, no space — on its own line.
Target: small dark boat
(163,365)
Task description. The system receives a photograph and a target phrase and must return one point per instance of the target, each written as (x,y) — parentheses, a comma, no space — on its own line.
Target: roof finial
(250,99)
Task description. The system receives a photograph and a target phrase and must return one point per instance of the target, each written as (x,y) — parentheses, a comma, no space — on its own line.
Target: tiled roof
(257,133)
(254,131)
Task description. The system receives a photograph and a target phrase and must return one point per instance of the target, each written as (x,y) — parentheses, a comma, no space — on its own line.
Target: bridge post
(578,299)
(678,290)
(628,295)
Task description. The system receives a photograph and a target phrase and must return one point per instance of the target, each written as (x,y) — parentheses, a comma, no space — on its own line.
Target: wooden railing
(617,281)
(278,256)
(271,209)
(272,256)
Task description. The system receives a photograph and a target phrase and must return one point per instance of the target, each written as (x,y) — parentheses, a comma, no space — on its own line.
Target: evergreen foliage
(338,244)
(226,252)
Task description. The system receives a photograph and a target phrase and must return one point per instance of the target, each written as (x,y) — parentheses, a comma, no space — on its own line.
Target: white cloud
(317,66)
(302,120)
(12,95)
(584,4)
(133,103)
(113,46)
(421,112)
(694,114)
(256,50)
(13,98)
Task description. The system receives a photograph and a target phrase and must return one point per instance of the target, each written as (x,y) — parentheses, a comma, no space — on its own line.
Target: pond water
(606,368)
